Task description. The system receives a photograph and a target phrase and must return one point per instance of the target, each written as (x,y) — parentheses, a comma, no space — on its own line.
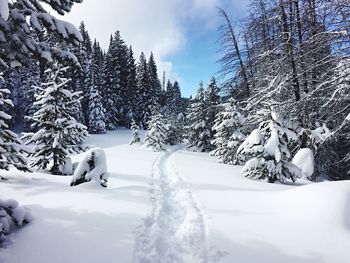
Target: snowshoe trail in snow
(175,229)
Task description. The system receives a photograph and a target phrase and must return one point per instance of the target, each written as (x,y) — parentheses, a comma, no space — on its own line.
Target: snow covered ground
(175,206)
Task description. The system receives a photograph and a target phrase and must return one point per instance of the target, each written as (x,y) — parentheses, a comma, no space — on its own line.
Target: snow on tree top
(4,9)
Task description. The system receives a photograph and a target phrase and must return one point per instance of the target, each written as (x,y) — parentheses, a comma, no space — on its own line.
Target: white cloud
(148,25)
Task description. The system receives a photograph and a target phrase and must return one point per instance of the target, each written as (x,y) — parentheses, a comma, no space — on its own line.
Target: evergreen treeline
(116,88)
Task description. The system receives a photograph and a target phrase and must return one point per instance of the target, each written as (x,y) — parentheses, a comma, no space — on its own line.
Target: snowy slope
(176,206)
(86,223)
(257,222)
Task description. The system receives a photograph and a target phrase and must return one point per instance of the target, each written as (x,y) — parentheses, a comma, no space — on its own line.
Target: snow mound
(11,216)
(327,202)
(92,167)
(305,160)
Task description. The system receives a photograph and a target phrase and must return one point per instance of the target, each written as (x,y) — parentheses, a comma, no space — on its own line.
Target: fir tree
(11,149)
(121,71)
(59,133)
(228,136)
(154,82)
(131,87)
(96,113)
(109,94)
(143,105)
(136,138)
(173,102)
(156,133)
(175,130)
(199,129)
(85,82)
(30,78)
(267,152)
(212,100)
(22,19)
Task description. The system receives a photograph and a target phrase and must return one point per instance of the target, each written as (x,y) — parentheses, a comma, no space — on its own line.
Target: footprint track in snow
(175,229)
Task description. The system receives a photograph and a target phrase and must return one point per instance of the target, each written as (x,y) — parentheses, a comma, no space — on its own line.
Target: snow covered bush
(92,167)
(198,130)
(136,138)
(156,133)
(12,216)
(228,135)
(266,149)
(58,132)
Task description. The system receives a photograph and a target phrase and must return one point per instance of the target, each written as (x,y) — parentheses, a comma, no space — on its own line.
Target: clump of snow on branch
(305,160)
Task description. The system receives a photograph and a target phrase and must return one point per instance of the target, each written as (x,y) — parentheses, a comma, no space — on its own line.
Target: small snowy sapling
(156,133)
(136,138)
(267,152)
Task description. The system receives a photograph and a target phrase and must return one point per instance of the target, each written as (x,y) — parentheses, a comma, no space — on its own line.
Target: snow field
(252,221)
(175,206)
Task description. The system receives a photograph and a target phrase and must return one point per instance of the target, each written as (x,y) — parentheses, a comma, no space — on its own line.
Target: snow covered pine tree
(136,138)
(267,152)
(175,130)
(11,149)
(59,133)
(228,136)
(198,129)
(96,118)
(156,133)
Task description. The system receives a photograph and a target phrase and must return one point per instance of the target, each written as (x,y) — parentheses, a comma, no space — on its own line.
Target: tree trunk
(238,52)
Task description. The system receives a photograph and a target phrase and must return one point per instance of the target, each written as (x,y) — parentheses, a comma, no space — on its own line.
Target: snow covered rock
(11,217)
(92,167)
(305,160)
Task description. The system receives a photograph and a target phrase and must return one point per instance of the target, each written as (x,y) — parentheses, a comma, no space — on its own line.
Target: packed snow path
(175,229)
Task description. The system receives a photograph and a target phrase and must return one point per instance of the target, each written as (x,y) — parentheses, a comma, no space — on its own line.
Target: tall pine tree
(59,133)
(199,129)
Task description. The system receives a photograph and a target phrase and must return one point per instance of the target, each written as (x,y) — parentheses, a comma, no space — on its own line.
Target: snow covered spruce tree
(59,133)
(11,148)
(96,118)
(175,130)
(156,132)
(228,135)
(333,154)
(266,149)
(136,138)
(213,100)
(199,129)
(21,18)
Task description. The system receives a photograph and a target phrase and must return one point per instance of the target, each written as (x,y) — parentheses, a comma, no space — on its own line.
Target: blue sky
(182,34)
